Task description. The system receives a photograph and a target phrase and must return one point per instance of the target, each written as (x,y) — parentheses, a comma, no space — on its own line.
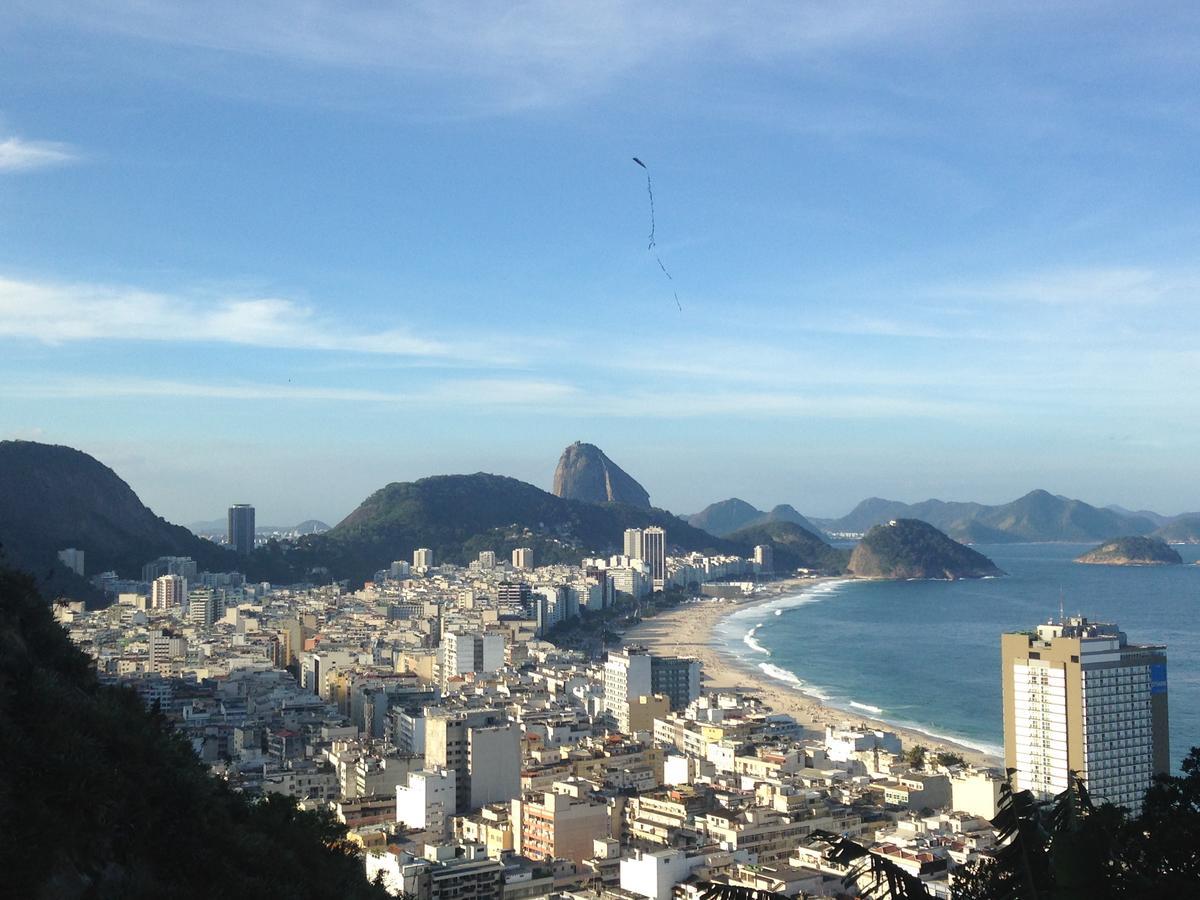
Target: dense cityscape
(494,730)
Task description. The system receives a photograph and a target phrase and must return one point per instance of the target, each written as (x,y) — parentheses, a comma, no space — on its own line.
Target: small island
(1132,551)
(910,548)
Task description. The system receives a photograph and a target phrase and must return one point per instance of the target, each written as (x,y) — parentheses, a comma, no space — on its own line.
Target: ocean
(926,654)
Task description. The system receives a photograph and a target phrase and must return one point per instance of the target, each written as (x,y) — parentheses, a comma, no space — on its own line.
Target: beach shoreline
(690,630)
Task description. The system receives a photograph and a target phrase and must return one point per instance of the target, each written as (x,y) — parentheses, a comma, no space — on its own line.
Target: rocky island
(1132,551)
(910,548)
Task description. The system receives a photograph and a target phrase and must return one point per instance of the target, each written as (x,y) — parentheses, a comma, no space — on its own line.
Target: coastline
(689,630)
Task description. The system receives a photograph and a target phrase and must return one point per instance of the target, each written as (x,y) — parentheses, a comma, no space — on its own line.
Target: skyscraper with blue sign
(1079,697)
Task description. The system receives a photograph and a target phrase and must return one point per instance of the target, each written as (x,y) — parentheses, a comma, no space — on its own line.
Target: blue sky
(286,253)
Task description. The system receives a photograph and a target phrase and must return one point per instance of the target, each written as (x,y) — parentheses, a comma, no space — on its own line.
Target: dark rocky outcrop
(585,473)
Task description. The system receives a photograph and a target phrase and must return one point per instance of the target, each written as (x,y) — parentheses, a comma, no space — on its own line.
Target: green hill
(793,547)
(54,497)
(908,548)
(102,799)
(456,516)
(1132,551)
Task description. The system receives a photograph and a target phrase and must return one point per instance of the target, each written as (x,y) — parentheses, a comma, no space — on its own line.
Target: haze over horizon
(938,250)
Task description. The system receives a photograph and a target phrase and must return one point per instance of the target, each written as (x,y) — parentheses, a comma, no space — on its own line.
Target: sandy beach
(689,631)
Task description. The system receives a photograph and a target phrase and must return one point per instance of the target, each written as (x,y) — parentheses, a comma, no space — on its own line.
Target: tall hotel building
(241,528)
(1079,697)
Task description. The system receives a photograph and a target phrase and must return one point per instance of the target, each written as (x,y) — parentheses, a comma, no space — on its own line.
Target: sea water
(926,654)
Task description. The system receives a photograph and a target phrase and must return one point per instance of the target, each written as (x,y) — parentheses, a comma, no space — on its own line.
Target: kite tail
(650,191)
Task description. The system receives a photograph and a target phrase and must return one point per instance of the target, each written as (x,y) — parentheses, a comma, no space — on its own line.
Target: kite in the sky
(650,246)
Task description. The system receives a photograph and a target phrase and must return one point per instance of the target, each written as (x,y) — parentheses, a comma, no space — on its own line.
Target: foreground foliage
(101,798)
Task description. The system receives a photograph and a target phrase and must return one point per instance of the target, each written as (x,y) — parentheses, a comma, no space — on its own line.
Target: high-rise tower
(633,543)
(654,553)
(1079,697)
(241,528)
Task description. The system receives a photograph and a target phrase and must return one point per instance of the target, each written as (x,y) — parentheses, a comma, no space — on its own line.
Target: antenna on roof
(1062,619)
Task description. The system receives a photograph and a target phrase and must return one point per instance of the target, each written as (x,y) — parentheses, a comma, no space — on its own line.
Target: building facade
(1079,697)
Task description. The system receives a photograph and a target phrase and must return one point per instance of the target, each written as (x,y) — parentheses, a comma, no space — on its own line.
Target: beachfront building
(1079,697)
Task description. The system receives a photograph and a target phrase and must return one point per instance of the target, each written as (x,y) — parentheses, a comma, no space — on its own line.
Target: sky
(286,253)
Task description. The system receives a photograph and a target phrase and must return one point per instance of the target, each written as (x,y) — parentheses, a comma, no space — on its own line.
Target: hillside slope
(54,497)
(793,548)
(109,802)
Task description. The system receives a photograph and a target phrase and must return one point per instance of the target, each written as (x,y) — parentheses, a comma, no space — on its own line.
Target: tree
(916,756)
(872,876)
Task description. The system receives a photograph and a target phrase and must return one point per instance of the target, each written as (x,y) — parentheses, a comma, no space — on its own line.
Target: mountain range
(53,497)
(57,497)
(1039,516)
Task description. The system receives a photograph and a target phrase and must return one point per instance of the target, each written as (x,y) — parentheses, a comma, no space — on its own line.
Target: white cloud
(20,155)
(58,313)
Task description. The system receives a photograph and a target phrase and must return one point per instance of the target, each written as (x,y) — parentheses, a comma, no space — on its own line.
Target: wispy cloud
(20,155)
(476,393)
(59,313)
(1099,286)
(520,54)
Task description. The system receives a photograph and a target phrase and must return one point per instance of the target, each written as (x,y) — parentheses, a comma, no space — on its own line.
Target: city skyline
(349,229)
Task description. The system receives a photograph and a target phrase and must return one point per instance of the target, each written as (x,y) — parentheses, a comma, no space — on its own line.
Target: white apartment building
(627,676)
(426,801)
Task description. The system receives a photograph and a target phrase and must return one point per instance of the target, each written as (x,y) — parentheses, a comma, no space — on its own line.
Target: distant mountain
(53,497)
(727,516)
(877,511)
(1132,551)
(908,548)
(793,547)
(1181,530)
(457,516)
(585,473)
(1039,516)
(1157,518)
(219,526)
(308,526)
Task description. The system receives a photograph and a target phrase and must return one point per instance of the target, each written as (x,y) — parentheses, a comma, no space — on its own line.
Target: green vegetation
(100,798)
(793,548)
(907,548)
(1132,551)
(1073,849)
(458,515)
